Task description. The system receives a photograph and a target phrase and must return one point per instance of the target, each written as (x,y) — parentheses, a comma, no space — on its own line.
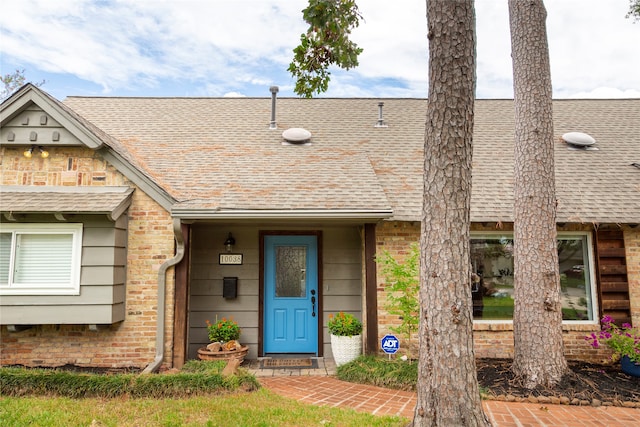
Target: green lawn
(258,408)
(198,396)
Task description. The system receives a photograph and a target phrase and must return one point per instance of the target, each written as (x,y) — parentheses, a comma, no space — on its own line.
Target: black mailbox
(229,287)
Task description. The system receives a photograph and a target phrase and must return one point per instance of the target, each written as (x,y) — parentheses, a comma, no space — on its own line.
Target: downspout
(162,282)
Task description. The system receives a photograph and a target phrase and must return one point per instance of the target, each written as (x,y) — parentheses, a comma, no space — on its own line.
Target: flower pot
(204,354)
(629,367)
(345,349)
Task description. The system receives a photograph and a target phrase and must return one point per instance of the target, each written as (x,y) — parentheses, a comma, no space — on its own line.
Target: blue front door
(291,294)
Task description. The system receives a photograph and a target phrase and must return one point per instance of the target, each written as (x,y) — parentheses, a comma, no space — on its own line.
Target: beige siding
(34,119)
(102,282)
(89,295)
(342,279)
(90,314)
(99,275)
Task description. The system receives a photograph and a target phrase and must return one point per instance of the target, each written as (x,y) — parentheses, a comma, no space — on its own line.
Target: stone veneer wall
(130,343)
(495,340)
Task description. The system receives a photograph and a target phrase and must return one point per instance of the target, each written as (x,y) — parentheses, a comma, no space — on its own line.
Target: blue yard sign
(390,344)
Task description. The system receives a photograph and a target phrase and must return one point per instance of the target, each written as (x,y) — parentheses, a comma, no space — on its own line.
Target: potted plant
(624,341)
(223,330)
(346,339)
(224,335)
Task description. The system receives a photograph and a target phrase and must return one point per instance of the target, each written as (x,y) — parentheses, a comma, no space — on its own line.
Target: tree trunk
(537,318)
(447,387)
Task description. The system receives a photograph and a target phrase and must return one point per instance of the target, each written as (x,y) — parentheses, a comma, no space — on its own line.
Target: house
(127,223)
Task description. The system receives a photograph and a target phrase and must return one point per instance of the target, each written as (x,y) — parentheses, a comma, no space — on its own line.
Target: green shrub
(395,373)
(203,378)
(403,285)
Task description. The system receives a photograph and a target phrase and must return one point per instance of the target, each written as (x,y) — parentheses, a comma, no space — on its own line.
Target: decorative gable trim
(23,101)
(32,113)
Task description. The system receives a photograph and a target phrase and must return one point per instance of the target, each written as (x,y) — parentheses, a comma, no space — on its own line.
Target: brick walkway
(329,391)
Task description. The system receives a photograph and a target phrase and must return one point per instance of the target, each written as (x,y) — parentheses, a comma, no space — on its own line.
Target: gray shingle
(77,200)
(220,153)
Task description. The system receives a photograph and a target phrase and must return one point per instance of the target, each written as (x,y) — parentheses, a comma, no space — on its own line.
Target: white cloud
(607,93)
(218,47)
(592,46)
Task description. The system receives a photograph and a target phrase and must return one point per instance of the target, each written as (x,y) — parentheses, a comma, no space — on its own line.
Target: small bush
(200,378)
(403,286)
(395,373)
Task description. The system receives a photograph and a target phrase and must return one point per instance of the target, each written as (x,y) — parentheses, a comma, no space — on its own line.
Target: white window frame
(70,288)
(591,278)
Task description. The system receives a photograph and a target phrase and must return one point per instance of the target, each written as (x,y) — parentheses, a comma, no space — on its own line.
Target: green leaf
(325,43)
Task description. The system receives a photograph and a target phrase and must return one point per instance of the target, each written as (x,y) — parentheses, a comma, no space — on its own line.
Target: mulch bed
(587,384)
(83,369)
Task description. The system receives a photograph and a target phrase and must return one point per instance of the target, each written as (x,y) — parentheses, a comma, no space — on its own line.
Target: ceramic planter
(205,354)
(629,367)
(345,349)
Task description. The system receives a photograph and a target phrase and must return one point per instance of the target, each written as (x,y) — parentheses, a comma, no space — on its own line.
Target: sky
(221,48)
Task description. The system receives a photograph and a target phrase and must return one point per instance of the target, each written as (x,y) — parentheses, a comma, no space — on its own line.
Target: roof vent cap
(579,140)
(296,135)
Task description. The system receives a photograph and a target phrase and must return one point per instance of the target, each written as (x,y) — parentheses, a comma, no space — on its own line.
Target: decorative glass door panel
(291,271)
(290,289)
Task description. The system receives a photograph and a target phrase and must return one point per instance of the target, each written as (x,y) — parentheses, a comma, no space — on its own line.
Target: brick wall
(395,238)
(495,340)
(632,248)
(150,242)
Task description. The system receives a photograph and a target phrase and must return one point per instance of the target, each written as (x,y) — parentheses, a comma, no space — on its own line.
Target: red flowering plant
(344,325)
(223,330)
(624,341)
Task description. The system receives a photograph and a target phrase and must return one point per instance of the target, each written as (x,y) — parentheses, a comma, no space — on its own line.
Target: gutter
(162,282)
(280,214)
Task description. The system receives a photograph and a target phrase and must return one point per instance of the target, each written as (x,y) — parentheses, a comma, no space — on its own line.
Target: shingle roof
(111,201)
(219,153)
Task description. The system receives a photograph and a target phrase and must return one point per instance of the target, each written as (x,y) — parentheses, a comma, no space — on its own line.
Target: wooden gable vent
(612,275)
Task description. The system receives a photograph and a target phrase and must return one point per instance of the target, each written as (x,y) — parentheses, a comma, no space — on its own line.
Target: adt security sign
(390,344)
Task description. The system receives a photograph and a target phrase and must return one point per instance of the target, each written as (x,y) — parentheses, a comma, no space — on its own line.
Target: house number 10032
(231,259)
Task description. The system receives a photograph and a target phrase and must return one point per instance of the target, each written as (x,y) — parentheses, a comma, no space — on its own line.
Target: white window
(492,261)
(40,259)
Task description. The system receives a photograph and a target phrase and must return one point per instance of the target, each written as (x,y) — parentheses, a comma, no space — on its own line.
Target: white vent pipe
(272,124)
